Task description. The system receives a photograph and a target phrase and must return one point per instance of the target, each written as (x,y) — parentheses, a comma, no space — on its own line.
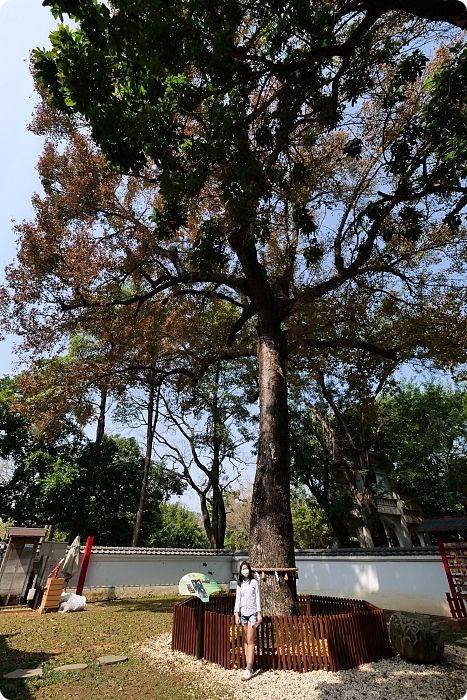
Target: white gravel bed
(390,679)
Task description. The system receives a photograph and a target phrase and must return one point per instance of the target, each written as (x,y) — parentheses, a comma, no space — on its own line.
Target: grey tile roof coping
(369,552)
(456,523)
(348,552)
(159,550)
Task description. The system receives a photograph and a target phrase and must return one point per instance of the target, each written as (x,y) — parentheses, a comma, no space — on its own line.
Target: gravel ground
(390,679)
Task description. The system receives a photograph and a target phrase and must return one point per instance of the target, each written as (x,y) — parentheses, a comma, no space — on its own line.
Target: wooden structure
(52,593)
(17,564)
(331,634)
(451,535)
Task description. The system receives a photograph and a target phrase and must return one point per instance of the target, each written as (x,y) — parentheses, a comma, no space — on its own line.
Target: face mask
(245,573)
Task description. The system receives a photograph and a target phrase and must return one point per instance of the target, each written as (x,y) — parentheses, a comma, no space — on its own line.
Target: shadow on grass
(11,659)
(156,605)
(456,638)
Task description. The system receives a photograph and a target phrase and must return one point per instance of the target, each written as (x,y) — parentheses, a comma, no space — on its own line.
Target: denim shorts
(252,619)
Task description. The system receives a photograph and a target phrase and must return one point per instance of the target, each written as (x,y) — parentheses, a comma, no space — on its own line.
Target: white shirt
(247,600)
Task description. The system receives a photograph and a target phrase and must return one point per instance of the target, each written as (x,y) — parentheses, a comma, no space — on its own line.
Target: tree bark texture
(339,531)
(79,515)
(218,506)
(53,524)
(205,515)
(271,530)
(151,428)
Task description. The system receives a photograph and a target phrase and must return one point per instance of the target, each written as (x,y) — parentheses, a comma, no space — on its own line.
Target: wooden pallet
(52,593)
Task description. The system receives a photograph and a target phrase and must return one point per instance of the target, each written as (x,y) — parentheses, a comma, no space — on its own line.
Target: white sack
(70,602)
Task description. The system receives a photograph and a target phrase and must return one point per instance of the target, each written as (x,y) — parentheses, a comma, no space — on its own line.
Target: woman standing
(247,611)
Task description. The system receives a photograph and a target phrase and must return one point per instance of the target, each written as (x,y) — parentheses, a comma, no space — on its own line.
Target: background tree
(311,530)
(333,451)
(42,471)
(412,434)
(179,527)
(73,386)
(316,465)
(238,516)
(238,112)
(423,437)
(46,478)
(204,431)
(110,515)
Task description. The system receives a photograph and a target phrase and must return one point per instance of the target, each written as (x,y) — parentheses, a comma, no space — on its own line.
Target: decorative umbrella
(71,564)
(200,585)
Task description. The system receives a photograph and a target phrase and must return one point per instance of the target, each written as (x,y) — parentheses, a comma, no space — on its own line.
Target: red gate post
(451,534)
(84,565)
(452,599)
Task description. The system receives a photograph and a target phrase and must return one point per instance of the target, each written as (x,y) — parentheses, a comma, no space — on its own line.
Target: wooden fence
(186,626)
(331,634)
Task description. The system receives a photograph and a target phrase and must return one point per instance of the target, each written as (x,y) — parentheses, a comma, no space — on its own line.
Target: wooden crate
(52,593)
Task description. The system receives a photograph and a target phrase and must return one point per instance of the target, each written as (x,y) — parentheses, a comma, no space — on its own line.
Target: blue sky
(24,24)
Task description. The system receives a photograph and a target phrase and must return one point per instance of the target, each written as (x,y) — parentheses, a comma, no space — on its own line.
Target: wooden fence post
(200,626)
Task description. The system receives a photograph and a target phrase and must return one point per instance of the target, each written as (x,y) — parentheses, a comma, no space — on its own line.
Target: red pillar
(84,565)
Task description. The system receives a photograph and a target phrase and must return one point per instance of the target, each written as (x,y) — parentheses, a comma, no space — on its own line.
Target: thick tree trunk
(151,427)
(271,531)
(340,532)
(222,523)
(214,516)
(206,517)
(53,524)
(218,518)
(79,515)
(215,521)
(218,506)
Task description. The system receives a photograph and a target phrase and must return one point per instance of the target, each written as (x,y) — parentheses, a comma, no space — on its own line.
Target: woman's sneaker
(247,675)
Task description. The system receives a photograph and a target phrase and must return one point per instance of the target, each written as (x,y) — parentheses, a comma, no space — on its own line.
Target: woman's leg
(249,641)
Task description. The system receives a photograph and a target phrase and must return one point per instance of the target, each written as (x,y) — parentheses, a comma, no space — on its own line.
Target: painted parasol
(71,564)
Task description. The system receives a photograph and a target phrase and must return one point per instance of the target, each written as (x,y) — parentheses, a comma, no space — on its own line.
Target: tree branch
(451,11)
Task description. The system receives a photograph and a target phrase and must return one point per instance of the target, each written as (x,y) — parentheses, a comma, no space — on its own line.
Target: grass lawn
(30,640)
(455,638)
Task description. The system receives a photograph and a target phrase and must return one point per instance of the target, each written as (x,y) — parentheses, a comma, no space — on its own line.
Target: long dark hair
(240,577)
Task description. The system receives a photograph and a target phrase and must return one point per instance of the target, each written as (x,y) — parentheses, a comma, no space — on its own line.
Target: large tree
(242,114)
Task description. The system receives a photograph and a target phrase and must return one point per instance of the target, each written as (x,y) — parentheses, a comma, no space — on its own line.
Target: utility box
(17,563)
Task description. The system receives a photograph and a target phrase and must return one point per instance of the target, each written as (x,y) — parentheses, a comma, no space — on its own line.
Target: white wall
(410,583)
(117,570)
(414,583)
